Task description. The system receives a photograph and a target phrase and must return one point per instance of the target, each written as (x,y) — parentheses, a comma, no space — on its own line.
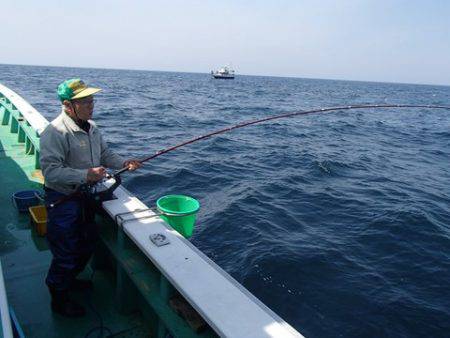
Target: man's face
(84,107)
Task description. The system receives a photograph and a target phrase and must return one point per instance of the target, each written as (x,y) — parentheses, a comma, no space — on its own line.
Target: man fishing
(73,153)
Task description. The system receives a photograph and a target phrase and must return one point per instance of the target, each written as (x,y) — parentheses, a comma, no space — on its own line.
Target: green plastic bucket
(180,212)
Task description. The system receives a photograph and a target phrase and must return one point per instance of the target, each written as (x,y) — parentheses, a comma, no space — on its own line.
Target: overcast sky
(373,40)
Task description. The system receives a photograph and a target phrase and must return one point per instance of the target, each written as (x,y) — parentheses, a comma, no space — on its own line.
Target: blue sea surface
(339,222)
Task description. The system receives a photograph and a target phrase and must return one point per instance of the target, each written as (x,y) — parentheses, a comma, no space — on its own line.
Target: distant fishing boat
(223,73)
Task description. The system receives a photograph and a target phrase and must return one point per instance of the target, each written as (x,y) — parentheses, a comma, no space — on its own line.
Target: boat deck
(25,258)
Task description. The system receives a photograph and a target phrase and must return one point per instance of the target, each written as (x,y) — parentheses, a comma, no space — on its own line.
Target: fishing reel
(94,194)
(98,192)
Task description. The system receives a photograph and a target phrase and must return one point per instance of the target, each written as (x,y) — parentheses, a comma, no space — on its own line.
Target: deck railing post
(21,136)
(37,163)
(5,118)
(14,125)
(164,291)
(125,294)
(29,149)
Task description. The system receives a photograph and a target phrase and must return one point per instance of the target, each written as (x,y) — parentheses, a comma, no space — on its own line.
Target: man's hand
(132,164)
(95,174)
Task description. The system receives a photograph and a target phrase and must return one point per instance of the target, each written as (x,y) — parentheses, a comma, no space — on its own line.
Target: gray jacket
(67,151)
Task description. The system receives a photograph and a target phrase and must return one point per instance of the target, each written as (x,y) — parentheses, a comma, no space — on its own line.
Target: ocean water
(339,222)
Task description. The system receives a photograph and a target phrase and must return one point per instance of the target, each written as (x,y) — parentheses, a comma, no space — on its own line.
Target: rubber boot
(63,305)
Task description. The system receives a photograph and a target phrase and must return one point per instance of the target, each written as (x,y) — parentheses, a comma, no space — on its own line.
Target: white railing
(34,118)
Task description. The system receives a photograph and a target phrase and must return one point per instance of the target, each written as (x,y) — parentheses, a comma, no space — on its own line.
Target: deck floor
(25,258)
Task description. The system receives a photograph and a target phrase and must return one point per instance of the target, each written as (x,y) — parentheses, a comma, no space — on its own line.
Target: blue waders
(72,236)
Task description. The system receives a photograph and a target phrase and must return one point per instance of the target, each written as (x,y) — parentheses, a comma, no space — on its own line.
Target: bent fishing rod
(117,174)
(275,117)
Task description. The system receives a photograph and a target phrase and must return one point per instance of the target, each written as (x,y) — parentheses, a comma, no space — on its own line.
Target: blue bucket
(22,200)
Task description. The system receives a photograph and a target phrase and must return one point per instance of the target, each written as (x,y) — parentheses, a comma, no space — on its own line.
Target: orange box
(38,217)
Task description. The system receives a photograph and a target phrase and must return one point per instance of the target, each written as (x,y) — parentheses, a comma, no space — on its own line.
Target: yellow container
(38,217)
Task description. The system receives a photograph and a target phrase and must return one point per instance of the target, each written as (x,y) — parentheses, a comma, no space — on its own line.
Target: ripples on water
(339,222)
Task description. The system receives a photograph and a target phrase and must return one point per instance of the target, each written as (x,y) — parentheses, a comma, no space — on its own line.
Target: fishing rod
(99,195)
(275,117)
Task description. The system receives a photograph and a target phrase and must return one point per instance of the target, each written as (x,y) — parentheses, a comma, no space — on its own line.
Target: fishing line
(90,190)
(275,117)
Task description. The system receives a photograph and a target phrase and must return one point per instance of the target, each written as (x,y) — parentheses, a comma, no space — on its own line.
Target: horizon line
(255,75)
